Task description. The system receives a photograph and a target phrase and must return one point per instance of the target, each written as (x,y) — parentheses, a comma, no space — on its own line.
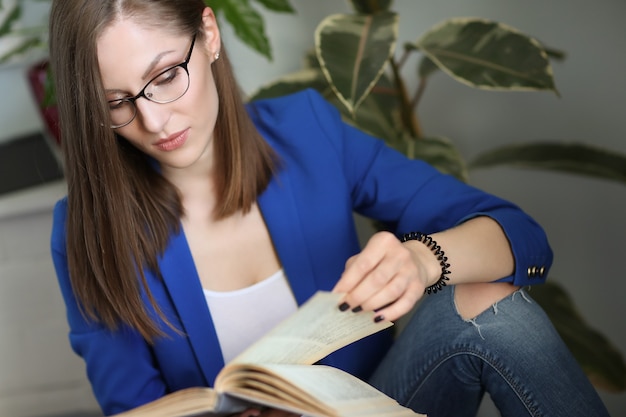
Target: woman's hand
(388,276)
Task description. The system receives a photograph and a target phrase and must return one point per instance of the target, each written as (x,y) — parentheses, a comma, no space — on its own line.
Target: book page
(313,390)
(190,402)
(316,330)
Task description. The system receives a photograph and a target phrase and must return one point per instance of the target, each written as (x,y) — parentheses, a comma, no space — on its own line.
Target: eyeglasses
(168,86)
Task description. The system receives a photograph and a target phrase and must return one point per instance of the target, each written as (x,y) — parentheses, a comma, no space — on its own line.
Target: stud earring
(216,56)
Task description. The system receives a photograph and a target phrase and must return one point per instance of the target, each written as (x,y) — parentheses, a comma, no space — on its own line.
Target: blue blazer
(329,170)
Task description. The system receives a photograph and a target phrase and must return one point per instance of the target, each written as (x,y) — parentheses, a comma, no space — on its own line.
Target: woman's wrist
(438,267)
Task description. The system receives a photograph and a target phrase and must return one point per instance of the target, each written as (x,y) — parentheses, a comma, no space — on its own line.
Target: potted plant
(358,66)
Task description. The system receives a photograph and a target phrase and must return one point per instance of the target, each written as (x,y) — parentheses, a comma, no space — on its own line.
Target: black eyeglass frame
(142,93)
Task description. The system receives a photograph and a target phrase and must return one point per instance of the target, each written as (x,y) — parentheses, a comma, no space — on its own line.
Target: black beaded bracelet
(441,257)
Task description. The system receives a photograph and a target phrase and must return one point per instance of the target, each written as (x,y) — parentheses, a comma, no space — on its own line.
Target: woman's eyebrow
(154,63)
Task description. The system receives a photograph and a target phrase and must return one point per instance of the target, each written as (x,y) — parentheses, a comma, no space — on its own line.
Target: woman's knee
(473,299)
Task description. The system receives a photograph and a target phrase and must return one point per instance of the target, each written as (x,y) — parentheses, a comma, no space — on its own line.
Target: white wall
(39,375)
(583,217)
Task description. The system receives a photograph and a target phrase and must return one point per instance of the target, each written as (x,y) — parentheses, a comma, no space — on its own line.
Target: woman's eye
(166,77)
(116,104)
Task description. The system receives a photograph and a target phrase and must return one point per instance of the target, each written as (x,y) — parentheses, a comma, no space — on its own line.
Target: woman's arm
(477,250)
(390,276)
(119,364)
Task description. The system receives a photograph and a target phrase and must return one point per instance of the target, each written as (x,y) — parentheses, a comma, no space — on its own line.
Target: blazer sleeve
(410,195)
(119,364)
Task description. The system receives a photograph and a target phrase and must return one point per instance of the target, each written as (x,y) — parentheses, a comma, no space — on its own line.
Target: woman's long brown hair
(121,211)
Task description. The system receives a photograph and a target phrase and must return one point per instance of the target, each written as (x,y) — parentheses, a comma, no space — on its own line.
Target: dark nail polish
(344,306)
(357,309)
(378,319)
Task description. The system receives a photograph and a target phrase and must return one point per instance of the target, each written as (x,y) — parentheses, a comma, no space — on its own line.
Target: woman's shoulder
(301,97)
(60,210)
(59,218)
(294,107)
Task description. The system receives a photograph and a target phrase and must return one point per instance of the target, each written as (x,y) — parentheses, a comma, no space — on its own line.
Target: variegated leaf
(371,6)
(379,114)
(353,50)
(573,158)
(488,55)
(440,153)
(291,83)
(426,67)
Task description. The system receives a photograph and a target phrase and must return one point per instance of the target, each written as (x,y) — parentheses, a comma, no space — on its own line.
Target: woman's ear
(211,32)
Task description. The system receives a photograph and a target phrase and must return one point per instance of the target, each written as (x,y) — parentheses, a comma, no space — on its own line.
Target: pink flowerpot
(37,76)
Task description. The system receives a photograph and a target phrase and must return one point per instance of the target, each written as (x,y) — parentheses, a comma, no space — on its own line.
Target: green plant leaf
(569,157)
(246,22)
(379,113)
(291,83)
(555,54)
(20,48)
(279,6)
(426,67)
(352,51)
(371,6)
(13,16)
(437,151)
(488,55)
(599,358)
(49,96)
(440,152)
(311,61)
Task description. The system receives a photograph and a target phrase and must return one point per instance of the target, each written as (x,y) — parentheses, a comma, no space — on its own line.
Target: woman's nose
(153,116)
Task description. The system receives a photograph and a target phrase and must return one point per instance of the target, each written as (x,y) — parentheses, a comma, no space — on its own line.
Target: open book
(278,371)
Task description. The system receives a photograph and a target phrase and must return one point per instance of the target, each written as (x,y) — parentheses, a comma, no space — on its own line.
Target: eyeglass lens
(168,86)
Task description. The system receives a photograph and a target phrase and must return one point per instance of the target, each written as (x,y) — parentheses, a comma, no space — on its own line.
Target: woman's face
(178,134)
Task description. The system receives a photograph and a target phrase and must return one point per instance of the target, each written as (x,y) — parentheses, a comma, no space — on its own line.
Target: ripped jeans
(442,365)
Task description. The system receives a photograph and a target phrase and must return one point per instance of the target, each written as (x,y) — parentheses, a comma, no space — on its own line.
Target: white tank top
(243,316)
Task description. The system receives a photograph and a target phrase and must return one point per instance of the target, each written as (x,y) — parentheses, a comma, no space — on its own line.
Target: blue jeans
(442,365)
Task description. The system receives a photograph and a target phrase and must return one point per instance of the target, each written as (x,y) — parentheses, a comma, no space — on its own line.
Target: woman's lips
(172,142)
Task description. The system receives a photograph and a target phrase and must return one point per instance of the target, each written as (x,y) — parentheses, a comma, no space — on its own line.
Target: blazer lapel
(281,214)
(183,284)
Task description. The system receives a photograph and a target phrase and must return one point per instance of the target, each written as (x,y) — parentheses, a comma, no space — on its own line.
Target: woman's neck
(196,186)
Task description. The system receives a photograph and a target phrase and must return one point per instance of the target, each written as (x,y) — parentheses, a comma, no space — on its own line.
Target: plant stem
(407,115)
(418,94)
(403,58)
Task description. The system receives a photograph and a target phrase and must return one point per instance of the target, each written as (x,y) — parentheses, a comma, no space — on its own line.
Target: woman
(191,216)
